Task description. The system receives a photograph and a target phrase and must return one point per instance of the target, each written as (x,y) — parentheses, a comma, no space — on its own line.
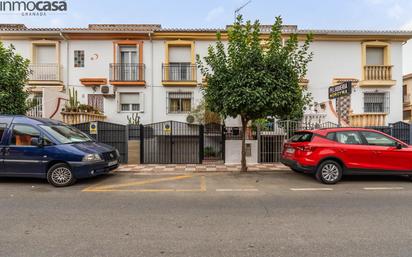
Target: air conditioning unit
(107,91)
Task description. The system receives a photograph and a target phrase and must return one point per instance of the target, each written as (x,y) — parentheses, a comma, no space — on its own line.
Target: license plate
(290,150)
(112,163)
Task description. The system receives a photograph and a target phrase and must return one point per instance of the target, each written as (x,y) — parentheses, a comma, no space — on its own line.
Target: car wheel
(329,172)
(60,175)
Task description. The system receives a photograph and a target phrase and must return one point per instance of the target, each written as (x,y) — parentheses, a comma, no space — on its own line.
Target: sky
(307,14)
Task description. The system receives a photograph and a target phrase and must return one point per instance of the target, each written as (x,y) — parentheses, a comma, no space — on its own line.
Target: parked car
(44,148)
(331,153)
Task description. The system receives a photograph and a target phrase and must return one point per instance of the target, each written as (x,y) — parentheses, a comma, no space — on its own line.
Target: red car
(331,153)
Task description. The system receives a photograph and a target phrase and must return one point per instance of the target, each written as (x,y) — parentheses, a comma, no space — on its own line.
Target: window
(66,135)
(2,129)
(97,101)
(348,137)
(78,58)
(374,138)
(179,102)
(301,137)
(376,102)
(180,71)
(331,136)
(375,56)
(23,135)
(130,102)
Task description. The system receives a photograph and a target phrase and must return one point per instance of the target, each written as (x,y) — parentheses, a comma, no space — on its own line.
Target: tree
(14,72)
(255,78)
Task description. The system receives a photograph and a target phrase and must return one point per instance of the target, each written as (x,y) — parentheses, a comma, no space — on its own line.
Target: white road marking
(237,190)
(312,189)
(382,188)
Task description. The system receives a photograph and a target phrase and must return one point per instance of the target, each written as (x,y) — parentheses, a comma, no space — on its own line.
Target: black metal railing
(179,72)
(127,72)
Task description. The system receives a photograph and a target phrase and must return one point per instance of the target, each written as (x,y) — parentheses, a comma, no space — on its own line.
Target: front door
(21,155)
(353,151)
(386,155)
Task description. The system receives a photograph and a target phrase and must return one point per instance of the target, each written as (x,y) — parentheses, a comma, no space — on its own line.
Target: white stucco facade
(339,57)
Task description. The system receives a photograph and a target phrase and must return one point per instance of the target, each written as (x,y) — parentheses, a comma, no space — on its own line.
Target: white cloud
(215,13)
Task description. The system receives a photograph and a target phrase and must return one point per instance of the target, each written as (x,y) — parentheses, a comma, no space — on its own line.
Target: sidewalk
(159,168)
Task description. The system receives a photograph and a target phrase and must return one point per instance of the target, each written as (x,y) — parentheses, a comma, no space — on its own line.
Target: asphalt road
(267,214)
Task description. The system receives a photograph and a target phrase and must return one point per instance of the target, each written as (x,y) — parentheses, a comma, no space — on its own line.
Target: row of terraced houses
(150,70)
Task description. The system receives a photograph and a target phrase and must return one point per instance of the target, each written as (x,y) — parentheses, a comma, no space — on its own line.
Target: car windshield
(66,134)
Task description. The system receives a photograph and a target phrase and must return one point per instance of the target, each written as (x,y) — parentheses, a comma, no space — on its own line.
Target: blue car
(44,148)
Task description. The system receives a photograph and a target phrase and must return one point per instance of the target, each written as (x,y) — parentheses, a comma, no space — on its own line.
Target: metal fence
(112,134)
(272,137)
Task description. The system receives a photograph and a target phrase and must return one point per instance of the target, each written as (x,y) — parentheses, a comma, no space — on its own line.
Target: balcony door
(128,61)
(180,63)
(45,63)
(375,56)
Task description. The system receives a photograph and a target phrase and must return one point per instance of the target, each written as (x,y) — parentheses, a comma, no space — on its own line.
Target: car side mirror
(37,141)
(399,146)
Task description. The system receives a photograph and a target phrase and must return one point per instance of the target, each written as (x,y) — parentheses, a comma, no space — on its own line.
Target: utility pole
(240,8)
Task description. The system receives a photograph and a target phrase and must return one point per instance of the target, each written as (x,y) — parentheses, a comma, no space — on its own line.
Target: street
(207,214)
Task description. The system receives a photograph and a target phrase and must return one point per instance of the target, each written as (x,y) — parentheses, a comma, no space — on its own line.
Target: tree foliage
(255,77)
(14,72)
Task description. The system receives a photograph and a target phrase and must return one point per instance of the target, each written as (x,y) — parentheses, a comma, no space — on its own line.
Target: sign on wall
(340,90)
(93,128)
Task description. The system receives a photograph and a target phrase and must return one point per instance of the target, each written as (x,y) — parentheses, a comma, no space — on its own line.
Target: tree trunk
(243,159)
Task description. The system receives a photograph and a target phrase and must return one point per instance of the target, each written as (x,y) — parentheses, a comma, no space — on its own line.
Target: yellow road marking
(116,187)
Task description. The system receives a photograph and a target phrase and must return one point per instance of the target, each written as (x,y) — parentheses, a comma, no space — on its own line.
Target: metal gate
(272,137)
(109,133)
(213,142)
(171,142)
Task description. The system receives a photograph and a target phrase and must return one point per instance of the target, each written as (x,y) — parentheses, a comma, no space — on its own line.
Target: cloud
(215,13)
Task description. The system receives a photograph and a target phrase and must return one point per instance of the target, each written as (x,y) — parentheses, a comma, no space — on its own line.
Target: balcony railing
(45,72)
(127,72)
(378,72)
(367,119)
(179,72)
(81,117)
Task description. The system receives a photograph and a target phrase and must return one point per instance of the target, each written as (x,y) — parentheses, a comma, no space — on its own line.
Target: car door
(353,151)
(2,147)
(22,155)
(386,156)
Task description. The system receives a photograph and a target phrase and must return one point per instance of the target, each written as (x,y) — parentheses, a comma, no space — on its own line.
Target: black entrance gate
(171,142)
(214,142)
(109,133)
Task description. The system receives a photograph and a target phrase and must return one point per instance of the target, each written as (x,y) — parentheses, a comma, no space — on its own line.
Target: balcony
(123,74)
(179,74)
(377,75)
(367,119)
(45,73)
(81,117)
